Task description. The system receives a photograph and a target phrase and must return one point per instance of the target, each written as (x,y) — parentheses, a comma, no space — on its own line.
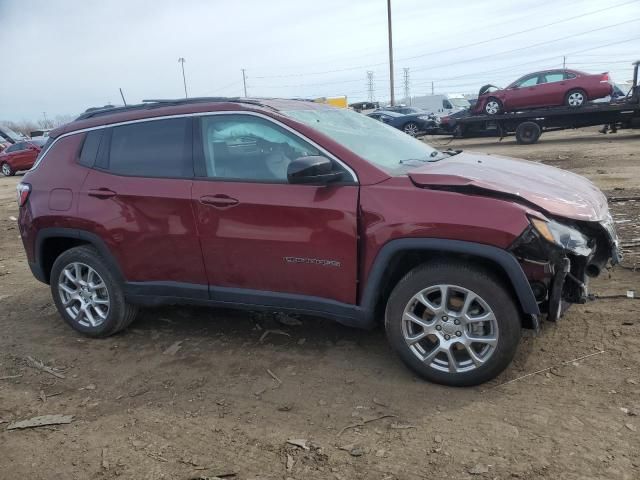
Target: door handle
(219,201)
(101,193)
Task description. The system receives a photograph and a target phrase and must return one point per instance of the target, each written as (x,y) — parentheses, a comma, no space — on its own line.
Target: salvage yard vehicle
(528,125)
(289,205)
(411,124)
(20,156)
(550,88)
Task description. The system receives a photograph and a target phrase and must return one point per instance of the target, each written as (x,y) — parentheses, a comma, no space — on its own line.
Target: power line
(452,48)
(547,42)
(474,44)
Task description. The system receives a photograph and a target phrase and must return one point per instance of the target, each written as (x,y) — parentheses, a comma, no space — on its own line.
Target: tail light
(605,78)
(24,189)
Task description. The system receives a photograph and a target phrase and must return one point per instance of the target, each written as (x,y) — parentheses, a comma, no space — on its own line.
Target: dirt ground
(190,392)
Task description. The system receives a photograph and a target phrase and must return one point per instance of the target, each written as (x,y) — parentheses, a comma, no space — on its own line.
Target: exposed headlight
(565,237)
(425,117)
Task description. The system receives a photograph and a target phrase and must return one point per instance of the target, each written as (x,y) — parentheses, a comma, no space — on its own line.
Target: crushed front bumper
(560,277)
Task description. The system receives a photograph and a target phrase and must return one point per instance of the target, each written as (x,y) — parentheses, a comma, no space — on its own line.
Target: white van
(444,104)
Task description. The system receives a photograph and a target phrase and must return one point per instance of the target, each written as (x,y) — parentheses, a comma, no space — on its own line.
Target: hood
(555,191)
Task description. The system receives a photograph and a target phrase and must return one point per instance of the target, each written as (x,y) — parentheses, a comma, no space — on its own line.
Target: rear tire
(528,133)
(88,295)
(575,98)
(446,342)
(7,171)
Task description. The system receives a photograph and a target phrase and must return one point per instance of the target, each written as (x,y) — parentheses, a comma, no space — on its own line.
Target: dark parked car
(411,124)
(544,89)
(403,109)
(298,206)
(20,156)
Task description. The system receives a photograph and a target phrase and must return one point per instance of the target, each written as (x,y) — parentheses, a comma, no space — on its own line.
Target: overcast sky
(61,57)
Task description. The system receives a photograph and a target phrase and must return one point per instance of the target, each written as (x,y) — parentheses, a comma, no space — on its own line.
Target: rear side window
(90,148)
(157,148)
(569,75)
(553,77)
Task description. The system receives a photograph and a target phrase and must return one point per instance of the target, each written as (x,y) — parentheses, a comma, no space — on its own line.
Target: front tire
(88,295)
(411,128)
(7,171)
(453,323)
(493,106)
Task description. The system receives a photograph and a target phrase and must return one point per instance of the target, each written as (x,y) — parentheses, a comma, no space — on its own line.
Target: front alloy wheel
(492,107)
(411,128)
(453,323)
(450,328)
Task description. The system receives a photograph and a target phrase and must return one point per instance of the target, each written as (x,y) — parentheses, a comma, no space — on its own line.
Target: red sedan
(550,88)
(20,156)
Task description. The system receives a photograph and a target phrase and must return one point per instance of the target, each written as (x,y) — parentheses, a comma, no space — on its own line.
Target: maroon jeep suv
(289,205)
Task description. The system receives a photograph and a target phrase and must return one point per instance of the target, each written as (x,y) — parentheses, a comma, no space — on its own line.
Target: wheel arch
(51,242)
(397,257)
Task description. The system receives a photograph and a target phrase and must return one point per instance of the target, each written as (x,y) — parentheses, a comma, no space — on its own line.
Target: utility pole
(181,61)
(564,62)
(407,93)
(370,87)
(123,100)
(244,82)
(46,120)
(393,96)
(431,87)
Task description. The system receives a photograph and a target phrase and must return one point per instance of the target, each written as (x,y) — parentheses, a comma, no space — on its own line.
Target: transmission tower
(407,90)
(370,86)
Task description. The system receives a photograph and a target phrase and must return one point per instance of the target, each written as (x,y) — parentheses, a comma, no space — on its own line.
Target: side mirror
(314,169)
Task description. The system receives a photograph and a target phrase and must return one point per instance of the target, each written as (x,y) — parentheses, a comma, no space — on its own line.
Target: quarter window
(90,148)
(155,148)
(244,147)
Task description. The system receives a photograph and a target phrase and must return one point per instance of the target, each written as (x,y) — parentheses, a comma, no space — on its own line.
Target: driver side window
(245,147)
(528,82)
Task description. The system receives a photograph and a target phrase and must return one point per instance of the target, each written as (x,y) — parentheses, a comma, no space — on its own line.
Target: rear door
(137,198)
(552,88)
(258,232)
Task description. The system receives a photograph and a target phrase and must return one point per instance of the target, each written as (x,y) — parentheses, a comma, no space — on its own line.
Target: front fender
(501,258)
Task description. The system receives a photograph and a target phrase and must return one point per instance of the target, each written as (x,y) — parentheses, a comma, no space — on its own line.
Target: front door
(524,94)
(260,233)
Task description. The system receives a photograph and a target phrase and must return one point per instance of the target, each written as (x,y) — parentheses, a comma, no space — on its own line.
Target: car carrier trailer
(528,125)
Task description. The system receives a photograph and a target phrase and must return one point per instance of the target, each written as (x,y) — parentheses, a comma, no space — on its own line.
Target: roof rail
(157,103)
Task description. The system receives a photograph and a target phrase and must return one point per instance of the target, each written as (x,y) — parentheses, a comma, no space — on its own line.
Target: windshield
(380,144)
(459,102)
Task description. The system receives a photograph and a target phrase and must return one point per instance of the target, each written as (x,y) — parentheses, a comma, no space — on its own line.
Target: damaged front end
(560,256)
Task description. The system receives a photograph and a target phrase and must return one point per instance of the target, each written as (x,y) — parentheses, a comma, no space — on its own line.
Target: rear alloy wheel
(575,99)
(411,128)
(7,171)
(493,106)
(87,294)
(453,324)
